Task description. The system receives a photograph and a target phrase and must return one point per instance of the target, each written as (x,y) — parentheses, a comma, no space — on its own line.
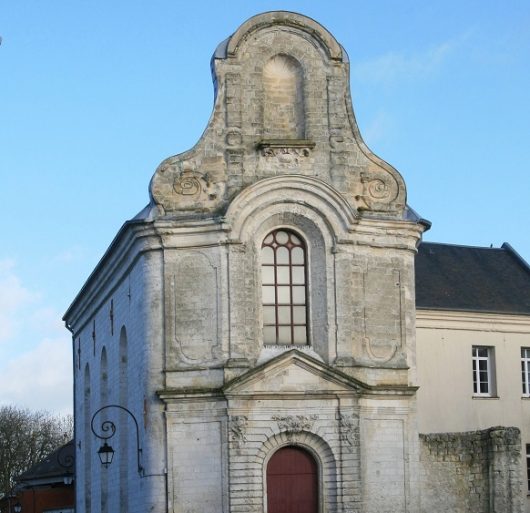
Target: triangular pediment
(293,372)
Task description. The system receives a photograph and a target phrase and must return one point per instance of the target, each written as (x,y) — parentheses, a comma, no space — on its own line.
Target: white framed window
(483,371)
(284,288)
(525,370)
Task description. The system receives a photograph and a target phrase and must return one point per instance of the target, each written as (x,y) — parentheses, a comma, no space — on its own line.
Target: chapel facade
(257,318)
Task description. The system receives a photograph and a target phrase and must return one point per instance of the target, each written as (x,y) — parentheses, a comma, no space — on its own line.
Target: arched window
(284,289)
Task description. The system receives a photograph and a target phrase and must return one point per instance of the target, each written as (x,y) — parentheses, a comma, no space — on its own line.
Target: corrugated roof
(451,277)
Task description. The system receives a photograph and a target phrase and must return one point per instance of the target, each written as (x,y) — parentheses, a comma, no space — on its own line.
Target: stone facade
(473,471)
(171,322)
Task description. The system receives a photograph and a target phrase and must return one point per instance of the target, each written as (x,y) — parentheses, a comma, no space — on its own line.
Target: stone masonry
(476,471)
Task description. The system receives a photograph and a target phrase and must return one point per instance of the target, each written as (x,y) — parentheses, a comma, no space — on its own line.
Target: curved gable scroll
(282,107)
(287,19)
(310,192)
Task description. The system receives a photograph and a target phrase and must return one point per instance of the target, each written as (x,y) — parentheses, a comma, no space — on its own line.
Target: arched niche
(283,103)
(123,356)
(87,442)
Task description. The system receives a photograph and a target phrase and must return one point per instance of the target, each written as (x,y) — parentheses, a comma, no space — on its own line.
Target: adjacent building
(473,341)
(47,487)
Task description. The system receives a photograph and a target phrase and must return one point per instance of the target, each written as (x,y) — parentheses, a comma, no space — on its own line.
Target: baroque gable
(282,106)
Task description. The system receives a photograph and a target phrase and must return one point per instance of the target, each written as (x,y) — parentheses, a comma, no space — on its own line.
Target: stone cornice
(472,321)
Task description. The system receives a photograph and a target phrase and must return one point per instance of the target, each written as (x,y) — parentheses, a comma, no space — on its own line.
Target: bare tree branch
(26,438)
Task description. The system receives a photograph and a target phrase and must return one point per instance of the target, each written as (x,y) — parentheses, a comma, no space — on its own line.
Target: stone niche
(283,102)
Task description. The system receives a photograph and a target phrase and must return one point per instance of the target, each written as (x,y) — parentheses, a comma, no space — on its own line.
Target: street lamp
(17,508)
(106,452)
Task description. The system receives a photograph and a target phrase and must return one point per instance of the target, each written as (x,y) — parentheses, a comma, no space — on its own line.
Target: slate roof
(56,465)
(451,277)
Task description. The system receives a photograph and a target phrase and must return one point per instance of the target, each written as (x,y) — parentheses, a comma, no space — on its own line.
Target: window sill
(487,397)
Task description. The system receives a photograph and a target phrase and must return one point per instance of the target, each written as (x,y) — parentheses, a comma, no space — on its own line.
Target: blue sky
(94,94)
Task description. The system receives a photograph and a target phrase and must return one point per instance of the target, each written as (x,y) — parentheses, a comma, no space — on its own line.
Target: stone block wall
(475,471)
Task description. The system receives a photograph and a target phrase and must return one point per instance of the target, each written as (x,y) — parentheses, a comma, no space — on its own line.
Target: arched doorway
(292,482)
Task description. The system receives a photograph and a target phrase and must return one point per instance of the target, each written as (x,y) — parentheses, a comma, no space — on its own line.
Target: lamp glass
(106,453)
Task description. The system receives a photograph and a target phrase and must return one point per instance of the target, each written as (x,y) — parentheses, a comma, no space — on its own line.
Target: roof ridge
(467,246)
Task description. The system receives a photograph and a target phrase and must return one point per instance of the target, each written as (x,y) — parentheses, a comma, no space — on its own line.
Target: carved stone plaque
(196,307)
(382,313)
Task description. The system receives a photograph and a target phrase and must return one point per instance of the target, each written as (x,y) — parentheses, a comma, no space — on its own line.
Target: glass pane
(282,255)
(269,315)
(298,275)
(299,295)
(284,335)
(268,294)
(284,315)
(282,273)
(268,239)
(299,314)
(482,351)
(267,255)
(295,239)
(300,336)
(297,256)
(269,335)
(483,365)
(283,295)
(267,275)
(282,237)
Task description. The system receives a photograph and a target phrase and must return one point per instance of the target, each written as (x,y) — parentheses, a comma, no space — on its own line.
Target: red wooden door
(292,482)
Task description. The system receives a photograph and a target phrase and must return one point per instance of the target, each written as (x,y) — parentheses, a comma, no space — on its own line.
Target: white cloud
(41,378)
(378,128)
(49,321)
(14,297)
(36,357)
(69,255)
(395,66)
